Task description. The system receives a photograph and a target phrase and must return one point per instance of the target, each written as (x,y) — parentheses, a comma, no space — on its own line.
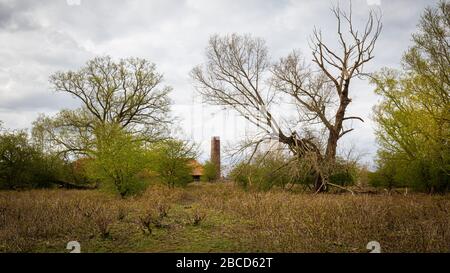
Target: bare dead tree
(238,75)
(234,77)
(341,66)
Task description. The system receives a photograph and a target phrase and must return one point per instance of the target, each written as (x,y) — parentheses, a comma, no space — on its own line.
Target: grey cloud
(18,15)
(38,100)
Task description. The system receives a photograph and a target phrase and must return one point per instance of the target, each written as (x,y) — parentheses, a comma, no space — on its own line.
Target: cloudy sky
(38,38)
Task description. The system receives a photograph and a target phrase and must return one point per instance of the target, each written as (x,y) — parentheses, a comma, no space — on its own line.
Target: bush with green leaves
(170,160)
(241,174)
(343,173)
(413,115)
(421,175)
(23,165)
(209,172)
(269,170)
(275,169)
(117,161)
(385,175)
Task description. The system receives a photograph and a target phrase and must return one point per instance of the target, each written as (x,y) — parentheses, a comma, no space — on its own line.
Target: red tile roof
(197,168)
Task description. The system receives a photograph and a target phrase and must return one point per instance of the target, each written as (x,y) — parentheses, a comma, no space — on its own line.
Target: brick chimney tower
(215,154)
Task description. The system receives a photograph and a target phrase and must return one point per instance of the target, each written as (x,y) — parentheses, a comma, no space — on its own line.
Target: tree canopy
(127,92)
(414,115)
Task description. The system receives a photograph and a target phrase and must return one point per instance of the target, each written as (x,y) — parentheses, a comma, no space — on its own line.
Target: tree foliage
(127,93)
(118,161)
(123,106)
(23,165)
(413,117)
(170,160)
(209,172)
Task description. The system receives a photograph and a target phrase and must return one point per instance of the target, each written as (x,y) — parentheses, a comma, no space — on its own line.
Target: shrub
(77,171)
(23,165)
(198,216)
(240,174)
(122,212)
(153,216)
(98,214)
(103,220)
(146,221)
(264,173)
(209,172)
(163,209)
(275,169)
(418,174)
(343,173)
(383,177)
(169,159)
(118,161)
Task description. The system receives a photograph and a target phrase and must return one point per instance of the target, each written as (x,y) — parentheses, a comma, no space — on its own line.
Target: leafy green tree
(170,160)
(23,165)
(128,93)
(209,172)
(117,161)
(123,106)
(413,117)
(15,157)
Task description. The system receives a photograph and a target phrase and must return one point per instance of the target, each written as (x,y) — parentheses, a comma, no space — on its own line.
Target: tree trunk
(333,137)
(334,133)
(330,153)
(319,185)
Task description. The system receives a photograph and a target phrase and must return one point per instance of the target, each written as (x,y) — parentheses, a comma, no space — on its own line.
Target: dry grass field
(222,218)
